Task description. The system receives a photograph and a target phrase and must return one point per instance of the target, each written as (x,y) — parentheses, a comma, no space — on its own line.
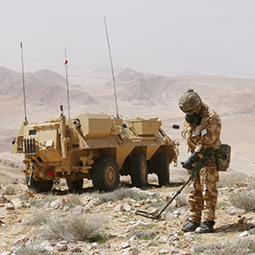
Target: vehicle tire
(40,185)
(139,170)
(105,174)
(163,169)
(76,185)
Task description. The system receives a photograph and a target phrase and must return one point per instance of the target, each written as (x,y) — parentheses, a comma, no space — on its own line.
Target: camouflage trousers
(203,194)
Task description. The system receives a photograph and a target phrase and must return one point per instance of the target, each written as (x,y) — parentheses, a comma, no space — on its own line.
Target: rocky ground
(87,222)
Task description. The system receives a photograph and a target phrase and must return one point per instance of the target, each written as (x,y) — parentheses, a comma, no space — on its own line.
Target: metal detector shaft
(195,170)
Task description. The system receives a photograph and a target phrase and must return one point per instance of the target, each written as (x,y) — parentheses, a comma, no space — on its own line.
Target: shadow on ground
(64,189)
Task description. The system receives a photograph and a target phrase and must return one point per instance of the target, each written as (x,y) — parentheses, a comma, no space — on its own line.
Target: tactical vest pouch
(223,157)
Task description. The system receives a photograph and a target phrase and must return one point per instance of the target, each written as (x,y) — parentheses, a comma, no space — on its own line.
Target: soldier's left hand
(187,164)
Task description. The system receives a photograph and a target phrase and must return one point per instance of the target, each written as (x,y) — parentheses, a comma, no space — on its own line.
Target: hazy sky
(173,36)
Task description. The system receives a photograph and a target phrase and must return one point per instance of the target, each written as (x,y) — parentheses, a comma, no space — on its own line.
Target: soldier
(203,131)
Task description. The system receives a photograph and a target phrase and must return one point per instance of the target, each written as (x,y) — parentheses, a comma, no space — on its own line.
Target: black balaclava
(194,118)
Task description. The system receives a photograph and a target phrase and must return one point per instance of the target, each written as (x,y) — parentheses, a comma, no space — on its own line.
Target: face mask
(193,118)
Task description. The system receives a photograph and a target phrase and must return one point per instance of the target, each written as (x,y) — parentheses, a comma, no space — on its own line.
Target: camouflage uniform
(203,192)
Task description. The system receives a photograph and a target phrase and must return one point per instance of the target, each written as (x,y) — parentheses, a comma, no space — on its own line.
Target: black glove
(190,161)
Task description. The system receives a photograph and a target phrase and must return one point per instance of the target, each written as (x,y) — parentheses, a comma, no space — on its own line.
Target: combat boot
(190,226)
(205,227)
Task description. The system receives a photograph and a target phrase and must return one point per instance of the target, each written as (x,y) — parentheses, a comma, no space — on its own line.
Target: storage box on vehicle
(146,127)
(95,124)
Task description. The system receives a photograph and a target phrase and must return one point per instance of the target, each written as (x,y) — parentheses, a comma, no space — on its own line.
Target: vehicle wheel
(40,185)
(163,169)
(76,185)
(105,174)
(139,170)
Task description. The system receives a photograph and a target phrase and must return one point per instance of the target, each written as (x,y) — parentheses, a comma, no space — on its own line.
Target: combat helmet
(190,101)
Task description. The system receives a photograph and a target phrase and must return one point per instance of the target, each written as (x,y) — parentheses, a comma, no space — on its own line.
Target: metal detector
(195,170)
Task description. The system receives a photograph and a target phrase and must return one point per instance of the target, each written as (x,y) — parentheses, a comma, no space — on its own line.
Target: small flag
(65,62)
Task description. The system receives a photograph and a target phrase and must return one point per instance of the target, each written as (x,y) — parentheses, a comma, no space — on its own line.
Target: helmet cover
(189,101)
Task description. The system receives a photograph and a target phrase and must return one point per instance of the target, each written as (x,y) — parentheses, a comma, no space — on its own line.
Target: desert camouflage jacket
(207,133)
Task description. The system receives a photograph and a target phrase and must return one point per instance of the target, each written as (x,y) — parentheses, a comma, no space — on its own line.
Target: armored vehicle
(97,147)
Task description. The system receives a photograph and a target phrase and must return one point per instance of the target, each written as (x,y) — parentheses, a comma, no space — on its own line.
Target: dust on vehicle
(97,147)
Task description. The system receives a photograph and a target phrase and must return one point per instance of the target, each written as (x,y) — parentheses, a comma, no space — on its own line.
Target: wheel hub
(143,171)
(110,175)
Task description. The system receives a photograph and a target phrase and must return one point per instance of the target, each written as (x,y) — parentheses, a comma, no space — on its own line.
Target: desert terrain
(138,95)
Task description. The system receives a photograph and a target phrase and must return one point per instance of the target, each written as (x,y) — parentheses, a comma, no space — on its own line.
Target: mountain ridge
(39,89)
(46,88)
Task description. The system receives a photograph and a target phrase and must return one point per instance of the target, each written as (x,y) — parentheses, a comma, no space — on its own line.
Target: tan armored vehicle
(97,147)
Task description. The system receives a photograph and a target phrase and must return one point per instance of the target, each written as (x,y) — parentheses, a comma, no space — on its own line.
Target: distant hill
(43,88)
(231,95)
(46,89)
(50,77)
(125,77)
(53,77)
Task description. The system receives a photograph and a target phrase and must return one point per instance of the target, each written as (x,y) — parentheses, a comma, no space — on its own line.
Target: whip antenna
(23,80)
(67,85)
(113,79)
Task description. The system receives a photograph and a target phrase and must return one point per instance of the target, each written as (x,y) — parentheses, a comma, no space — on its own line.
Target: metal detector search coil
(148,215)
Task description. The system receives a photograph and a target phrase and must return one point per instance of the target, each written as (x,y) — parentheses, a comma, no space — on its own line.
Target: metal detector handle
(200,164)
(195,170)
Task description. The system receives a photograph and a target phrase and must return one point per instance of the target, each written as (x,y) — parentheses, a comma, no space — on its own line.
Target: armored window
(32,132)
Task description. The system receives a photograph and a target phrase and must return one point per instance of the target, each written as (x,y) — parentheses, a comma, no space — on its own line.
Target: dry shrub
(229,181)
(251,184)
(73,228)
(38,202)
(144,231)
(10,190)
(32,201)
(243,246)
(244,200)
(181,201)
(37,219)
(160,205)
(73,200)
(178,202)
(31,249)
(121,194)
(144,234)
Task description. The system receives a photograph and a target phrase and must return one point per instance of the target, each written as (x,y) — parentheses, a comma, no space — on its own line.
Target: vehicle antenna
(67,85)
(23,80)
(113,79)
